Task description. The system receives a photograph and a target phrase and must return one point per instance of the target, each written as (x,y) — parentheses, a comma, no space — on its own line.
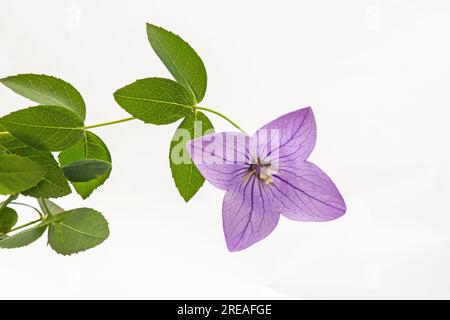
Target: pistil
(262,171)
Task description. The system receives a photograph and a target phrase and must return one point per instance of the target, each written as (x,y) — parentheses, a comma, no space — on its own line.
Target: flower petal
(222,158)
(306,193)
(288,138)
(248,216)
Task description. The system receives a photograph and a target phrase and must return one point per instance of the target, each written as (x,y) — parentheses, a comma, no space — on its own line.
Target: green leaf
(155,100)
(182,61)
(54,184)
(187,178)
(91,147)
(49,128)
(78,230)
(47,90)
(47,205)
(8,219)
(86,170)
(23,238)
(18,174)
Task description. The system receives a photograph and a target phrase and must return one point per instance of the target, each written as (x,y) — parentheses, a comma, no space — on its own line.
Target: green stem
(27,205)
(4,133)
(194,108)
(25,225)
(42,217)
(45,207)
(222,116)
(109,123)
(8,201)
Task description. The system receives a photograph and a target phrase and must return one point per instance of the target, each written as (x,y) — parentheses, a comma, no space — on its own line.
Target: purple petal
(222,158)
(248,215)
(306,193)
(291,137)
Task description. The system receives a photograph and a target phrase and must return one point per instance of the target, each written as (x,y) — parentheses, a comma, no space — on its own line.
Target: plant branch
(222,116)
(8,201)
(25,225)
(109,123)
(234,124)
(27,205)
(45,207)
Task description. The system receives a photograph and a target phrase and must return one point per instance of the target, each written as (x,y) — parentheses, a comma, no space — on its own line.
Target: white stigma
(263,171)
(266,174)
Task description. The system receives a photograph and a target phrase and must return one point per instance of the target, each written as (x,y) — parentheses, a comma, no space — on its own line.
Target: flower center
(263,171)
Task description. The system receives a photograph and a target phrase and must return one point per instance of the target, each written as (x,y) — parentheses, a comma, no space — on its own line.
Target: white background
(377,75)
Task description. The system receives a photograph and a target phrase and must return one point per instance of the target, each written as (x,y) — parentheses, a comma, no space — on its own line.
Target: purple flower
(267,175)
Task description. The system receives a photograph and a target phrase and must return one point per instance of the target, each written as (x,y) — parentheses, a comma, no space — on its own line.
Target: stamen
(262,171)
